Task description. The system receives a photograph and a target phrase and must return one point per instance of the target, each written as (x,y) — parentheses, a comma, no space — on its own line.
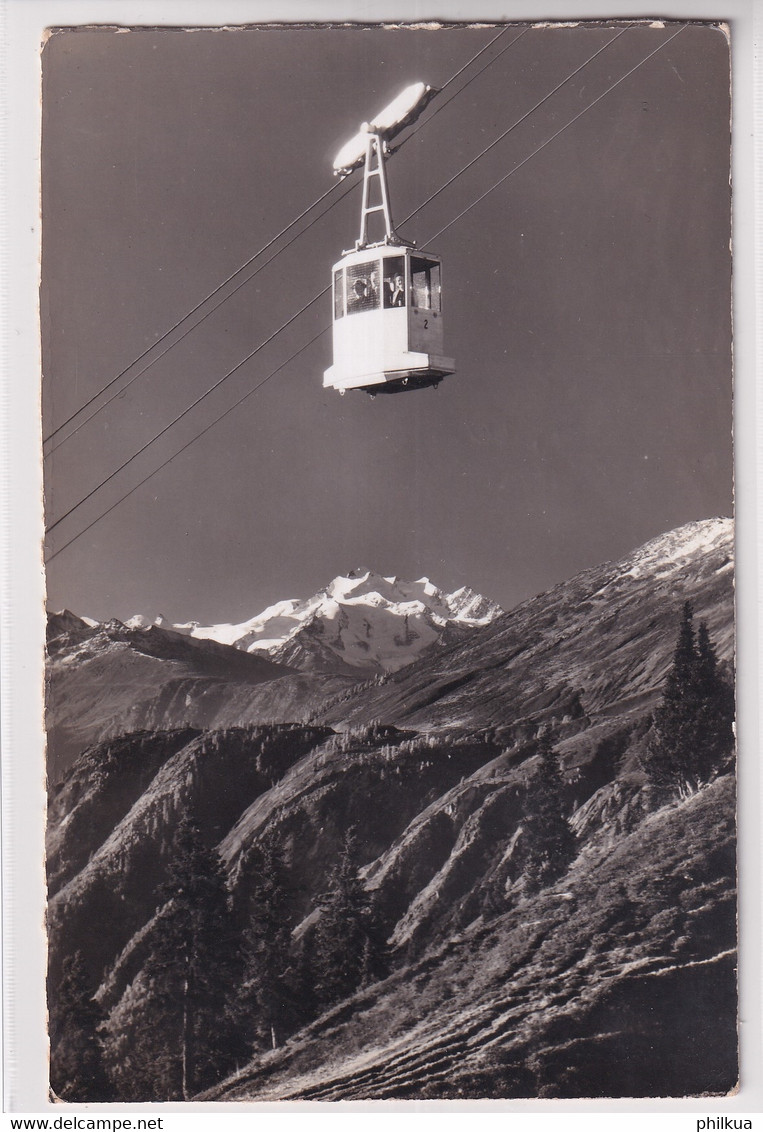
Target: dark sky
(586,305)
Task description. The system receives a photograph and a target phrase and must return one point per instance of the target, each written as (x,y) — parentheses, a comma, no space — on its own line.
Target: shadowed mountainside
(587,989)
(615,979)
(537,661)
(108,680)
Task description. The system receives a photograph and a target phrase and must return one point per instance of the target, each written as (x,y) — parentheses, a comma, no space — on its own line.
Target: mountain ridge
(616,978)
(556,633)
(361,620)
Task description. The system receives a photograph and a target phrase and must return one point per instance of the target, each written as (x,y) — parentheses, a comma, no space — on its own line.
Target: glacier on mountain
(359,620)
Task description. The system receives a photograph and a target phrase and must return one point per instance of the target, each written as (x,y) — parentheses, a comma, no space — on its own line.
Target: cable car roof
(373,253)
(398,114)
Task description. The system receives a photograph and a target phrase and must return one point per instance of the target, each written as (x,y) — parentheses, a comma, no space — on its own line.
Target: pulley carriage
(387,296)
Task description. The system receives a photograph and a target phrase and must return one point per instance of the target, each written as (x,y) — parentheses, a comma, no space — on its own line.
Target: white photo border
(22,622)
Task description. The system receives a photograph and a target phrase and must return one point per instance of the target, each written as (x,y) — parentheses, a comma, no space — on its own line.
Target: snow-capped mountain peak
(671,551)
(359,620)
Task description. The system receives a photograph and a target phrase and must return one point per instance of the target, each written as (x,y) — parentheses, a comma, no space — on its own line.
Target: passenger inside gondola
(394,282)
(362,288)
(372,290)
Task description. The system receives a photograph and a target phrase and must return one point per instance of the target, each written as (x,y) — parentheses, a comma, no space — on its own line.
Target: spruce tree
(692,727)
(77,1071)
(715,724)
(266,1006)
(670,758)
(348,947)
(199,953)
(174,1031)
(548,842)
(300,983)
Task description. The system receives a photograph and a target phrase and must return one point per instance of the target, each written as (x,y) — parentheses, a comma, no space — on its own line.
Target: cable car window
(338,293)
(363,287)
(394,281)
(425,284)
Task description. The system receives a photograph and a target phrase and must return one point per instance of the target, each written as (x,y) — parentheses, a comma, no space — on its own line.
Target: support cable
(187,410)
(519,122)
(315,219)
(163,337)
(188,443)
(198,306)
(554,136)
(441,105)
(187,331)
(323,292)
(469,62)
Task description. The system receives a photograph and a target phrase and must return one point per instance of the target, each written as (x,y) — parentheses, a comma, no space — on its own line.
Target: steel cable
(321,293)
(216,290)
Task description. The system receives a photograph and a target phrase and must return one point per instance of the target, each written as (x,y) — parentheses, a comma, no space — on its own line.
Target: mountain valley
(612,976)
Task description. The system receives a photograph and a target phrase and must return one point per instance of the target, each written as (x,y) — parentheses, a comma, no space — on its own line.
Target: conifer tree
(300,981)
(692,726)
(174,1031)
(715,725)
(77,1071)
(199,953)
(348,949)
(548,842)
(376,960)
(266,993)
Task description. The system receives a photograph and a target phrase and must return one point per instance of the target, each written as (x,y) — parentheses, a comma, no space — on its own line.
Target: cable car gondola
(387,296)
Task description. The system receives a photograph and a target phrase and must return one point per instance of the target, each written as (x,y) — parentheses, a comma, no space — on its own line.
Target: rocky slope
(586,990)
(543,660)
(105,680)
(617,979)
(108,680)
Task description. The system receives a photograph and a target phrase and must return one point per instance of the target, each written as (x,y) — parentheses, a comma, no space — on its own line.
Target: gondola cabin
(387,327)
(387,296)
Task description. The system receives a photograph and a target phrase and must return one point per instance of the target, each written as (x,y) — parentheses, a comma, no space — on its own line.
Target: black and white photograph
(387,389)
